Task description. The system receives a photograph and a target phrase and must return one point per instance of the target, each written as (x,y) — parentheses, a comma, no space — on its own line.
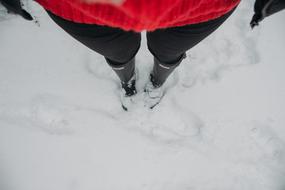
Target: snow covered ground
(220,126)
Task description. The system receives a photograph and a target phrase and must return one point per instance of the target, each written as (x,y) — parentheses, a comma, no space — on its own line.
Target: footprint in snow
(268,141)
(168,123)
(51,114)
(44,112)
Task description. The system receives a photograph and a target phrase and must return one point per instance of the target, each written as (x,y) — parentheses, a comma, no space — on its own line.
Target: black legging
(120,46)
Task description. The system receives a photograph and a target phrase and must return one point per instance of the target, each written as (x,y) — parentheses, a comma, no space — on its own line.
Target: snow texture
(219,126)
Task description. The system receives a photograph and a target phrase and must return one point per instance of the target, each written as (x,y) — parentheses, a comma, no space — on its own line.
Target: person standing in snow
(112,28)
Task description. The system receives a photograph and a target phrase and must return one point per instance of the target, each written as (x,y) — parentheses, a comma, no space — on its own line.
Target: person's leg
(168,46)
(117,46)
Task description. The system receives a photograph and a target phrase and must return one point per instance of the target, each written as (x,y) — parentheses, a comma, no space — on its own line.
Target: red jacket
(141,15)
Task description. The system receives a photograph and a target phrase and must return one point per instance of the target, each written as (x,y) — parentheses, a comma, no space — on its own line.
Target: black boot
(161,71)
(126,73)
(154,90)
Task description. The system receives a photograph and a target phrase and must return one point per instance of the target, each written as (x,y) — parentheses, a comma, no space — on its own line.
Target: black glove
(264,8)
(15,6)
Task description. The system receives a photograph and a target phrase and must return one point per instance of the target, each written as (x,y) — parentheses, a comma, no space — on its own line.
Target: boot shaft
(124,71)
(161,71)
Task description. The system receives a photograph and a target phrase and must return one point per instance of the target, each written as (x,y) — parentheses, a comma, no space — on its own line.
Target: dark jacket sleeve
(265,8)
(15,6)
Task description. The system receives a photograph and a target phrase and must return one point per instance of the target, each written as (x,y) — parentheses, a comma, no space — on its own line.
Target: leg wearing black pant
(169,45)
(119,47)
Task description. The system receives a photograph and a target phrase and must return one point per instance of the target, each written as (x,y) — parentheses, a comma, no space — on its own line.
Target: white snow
(220,125)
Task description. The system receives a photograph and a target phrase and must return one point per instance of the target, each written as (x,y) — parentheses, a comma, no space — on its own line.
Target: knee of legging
(122,56)
(165,56)
(161,51)
(122,53)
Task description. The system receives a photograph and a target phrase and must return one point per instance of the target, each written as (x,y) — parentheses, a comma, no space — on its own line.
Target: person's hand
(264,8)
(15,6)
(114,2)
